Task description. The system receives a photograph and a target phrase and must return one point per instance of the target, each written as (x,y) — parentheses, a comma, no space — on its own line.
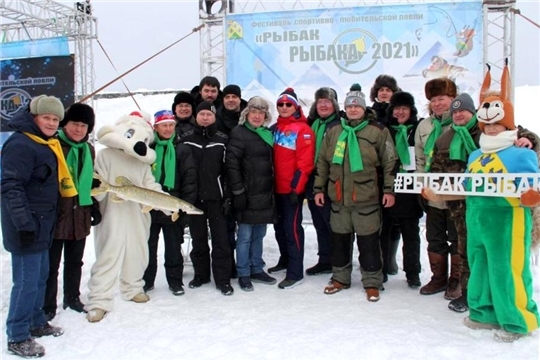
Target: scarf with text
(165,158)
(402,143)
(319,128)
(433,136)
(347,138)
(462,142)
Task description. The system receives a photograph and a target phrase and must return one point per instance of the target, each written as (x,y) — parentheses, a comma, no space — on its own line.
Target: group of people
(218,152)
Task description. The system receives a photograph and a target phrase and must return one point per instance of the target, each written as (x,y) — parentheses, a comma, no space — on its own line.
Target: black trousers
(410,232)
(221,249)
(320,215)
(441,233)
(73,255)
(390,232)
(173,237)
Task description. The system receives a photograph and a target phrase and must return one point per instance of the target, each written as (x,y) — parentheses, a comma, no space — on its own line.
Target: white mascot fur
(121,239)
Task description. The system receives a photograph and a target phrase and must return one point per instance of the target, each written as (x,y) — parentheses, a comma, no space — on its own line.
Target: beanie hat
(232,89)
(258,103)
(44,104)
(324,93)
(206,105)
(183,97)
(383,81)
(463,102)
(164,116)
(80,112)
(288,96)
(355,97)
(439,87)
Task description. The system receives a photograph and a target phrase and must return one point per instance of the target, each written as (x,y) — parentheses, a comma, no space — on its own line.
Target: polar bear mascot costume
(121,239)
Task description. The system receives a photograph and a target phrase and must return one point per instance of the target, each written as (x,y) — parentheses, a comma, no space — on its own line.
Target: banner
(57,46)
(336,47)
(23,79)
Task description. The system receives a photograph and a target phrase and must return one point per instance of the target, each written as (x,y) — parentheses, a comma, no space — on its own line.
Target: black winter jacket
(184,125)
(226,120)
(185,180)
(250,170)
(207,145)
(29,188)
(380,109)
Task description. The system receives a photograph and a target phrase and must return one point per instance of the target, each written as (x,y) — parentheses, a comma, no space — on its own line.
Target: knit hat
(206,105)
(463,102)
(383,81)
(164,116)
(44,104)
(439,87)
(183,97)
(324,93)
(232,89)
(402,98)
(355,97)
(288,96)
(258,103)
(80,112)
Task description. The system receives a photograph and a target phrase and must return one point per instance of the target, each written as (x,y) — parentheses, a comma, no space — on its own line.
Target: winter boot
(439,268)
(73,304)
(46,330)
(391,263)
(460,304)
(26,349)
(453,290)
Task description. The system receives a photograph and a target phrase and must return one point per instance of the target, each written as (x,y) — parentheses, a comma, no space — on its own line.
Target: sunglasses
(284,104)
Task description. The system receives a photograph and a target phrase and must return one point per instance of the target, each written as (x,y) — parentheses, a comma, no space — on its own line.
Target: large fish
(125,190)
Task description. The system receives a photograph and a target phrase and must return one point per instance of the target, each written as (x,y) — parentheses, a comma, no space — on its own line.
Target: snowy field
(270,323)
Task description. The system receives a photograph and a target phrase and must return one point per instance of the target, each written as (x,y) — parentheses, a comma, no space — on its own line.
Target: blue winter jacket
(29,188)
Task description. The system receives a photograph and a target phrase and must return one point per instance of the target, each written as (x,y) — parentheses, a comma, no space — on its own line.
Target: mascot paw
(429,194)
(530,198)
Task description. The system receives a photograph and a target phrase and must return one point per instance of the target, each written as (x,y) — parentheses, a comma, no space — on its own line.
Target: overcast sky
(132,31)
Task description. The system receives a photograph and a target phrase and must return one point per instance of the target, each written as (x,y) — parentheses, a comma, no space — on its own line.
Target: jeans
(30,272)
(249,249)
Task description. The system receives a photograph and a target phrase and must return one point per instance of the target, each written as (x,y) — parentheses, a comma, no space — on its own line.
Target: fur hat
(80,112)
(206,105)
(183,97)
(401,98)
(288,96)
(324,93)
(164,116)
(383,81)
(440,86)
(496,107)
(355,97)
(463,102)
(44,104)
(232,89)
(258,103)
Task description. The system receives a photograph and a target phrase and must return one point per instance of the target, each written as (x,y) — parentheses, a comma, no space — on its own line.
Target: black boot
(460,304)
(74,304)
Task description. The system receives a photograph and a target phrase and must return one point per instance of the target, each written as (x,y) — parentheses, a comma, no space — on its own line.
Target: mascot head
(131,133)
(495,106)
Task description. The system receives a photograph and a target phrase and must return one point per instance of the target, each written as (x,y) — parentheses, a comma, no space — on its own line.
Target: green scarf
(82,181)
(265,133)
(319,128)
(402,143)
(433,136)
(462,143)
(165,155)
(348,138)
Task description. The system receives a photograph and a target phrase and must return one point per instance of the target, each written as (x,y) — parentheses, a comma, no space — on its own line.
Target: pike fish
(125,190)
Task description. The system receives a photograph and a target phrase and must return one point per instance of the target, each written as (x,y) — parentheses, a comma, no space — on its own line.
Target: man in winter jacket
(75,214)
(323,115)
(175,170)
(294,151)
(208,147)
(251,180)
(33,172)
(347,173)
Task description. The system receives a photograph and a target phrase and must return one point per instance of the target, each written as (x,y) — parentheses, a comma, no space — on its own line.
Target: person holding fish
(175,170)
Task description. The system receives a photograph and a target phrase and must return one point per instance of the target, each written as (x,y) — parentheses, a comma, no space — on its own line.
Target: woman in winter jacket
(75,214)
(33,172)
(250,170)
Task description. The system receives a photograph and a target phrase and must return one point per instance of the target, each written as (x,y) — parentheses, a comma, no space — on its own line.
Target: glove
(183,220)
(240,202)
(27,238)
(95,183)
(96,216)
(226,207)
(293,198)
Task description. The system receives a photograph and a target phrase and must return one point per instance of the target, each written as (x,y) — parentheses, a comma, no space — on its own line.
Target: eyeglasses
(287,104)
(324,102)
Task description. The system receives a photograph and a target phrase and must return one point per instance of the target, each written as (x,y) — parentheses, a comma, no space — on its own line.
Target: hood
(298,116)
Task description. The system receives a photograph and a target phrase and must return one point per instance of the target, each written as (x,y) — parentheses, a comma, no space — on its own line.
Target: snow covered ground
(270,323)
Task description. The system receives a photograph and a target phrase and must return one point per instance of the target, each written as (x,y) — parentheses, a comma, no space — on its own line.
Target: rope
(123,82)
(140,64)
(517,12)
